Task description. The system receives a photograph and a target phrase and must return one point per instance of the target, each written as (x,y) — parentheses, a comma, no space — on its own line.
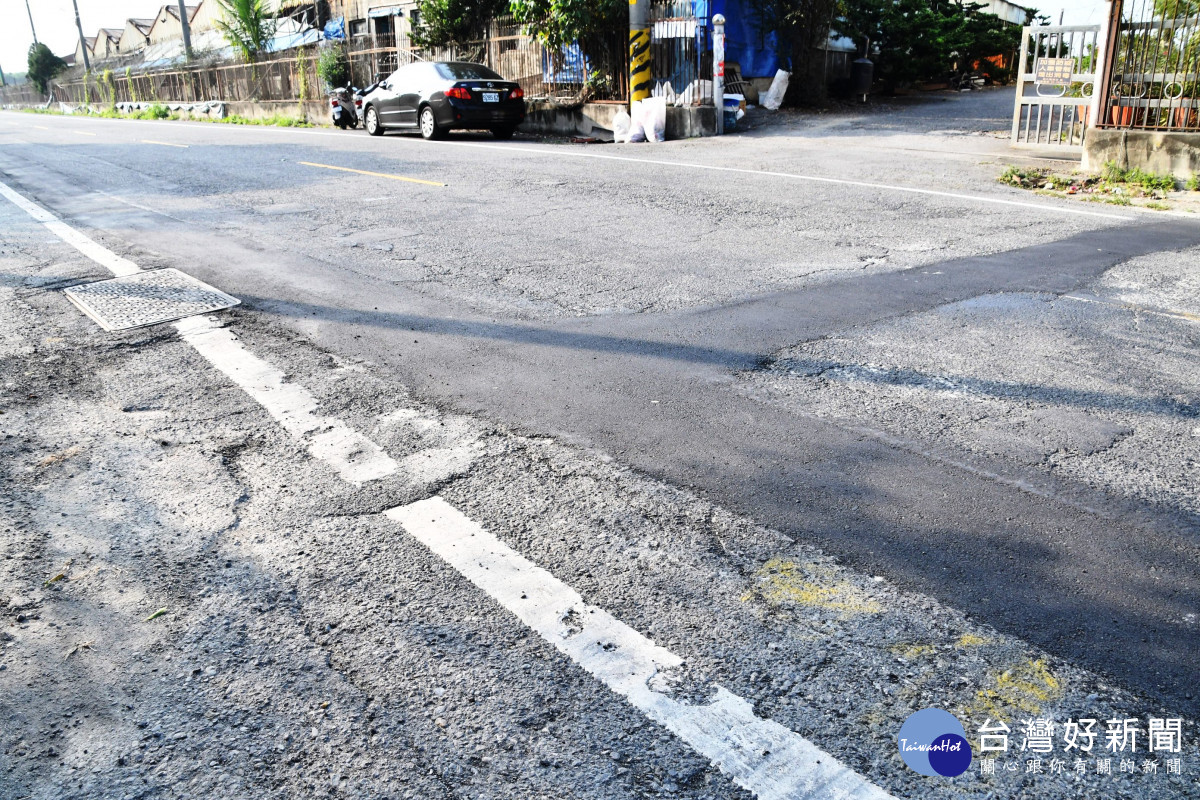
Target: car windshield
(460,71)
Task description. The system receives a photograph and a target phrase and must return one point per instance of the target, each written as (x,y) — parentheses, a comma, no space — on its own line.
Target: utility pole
(87,62)
(187,30)
(31,28)
(718,38)
(639,50)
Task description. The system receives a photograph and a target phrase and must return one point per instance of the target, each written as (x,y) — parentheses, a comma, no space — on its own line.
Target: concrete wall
(1174,153)
(596,119)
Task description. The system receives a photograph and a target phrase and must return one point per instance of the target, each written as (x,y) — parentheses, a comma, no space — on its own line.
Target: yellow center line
(372,174)
(164,144)
(83,133)
(41,127)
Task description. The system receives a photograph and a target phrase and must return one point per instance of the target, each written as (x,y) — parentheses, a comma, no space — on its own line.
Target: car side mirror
(385,85)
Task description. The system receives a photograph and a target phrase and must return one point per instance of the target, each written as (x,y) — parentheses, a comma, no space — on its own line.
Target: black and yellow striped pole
(639,50)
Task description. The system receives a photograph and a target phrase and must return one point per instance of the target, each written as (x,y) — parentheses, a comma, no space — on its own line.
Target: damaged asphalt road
(702,474)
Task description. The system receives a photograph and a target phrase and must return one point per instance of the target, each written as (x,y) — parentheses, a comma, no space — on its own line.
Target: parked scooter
(342,107)
(360,94)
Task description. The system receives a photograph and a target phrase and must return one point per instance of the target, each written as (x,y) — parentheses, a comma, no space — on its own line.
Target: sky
(55,21)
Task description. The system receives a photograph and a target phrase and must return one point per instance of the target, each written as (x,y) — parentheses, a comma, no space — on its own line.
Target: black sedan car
(435,96)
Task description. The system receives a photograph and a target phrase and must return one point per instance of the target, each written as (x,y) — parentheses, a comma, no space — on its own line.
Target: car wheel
(503,133)
(429,126)
(371,122)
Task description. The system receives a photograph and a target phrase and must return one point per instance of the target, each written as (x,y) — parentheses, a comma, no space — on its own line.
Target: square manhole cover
(147,298)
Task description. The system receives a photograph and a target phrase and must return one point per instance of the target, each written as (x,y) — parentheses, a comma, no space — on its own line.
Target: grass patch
(1148,181)
(1114,185)
(159,111)
(278,120)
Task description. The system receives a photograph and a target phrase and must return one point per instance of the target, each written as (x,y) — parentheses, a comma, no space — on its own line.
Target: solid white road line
(1183,315)
(760,755)
(355,457)
(883,187)
(89,247)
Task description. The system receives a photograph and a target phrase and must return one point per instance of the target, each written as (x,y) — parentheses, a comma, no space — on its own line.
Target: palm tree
(247,26)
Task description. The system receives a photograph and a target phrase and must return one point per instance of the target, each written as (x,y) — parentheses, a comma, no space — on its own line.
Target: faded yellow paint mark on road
(372,174)
(911,651)
(781,582)
(1024,688)
(83,133)
(62,455)
(972,640)
(164,144)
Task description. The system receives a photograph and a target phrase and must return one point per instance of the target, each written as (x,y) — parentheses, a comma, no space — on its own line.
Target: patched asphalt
(762,486)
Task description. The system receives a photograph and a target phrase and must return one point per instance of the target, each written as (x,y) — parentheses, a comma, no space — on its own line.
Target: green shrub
(333,67)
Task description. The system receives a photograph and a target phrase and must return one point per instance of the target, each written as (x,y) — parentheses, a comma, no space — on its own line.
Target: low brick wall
(1175,153)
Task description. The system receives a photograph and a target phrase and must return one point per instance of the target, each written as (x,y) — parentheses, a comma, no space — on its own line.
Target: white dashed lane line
(356,458)
(758,754)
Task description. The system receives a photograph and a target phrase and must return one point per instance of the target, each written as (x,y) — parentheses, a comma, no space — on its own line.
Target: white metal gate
(1056,81)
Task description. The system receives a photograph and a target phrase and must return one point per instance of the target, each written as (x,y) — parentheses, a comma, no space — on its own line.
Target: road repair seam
(355,457)
(760,755)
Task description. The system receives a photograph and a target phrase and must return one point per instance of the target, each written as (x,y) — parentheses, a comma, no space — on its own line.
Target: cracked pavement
(849,453)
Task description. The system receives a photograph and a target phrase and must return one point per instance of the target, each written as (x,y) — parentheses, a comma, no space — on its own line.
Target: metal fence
(597,71)
(278,79)
(1055,76)
(681,61)
(680,53)
(21,94)
(1156,67)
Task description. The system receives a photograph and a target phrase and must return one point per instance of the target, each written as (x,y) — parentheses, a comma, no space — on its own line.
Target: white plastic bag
(621,125)
(773,99)
(654,119)
(637,133)
(665,91)
(696,90)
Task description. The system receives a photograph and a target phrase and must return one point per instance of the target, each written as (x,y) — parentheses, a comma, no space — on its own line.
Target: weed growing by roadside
(156,111)
(159,111)
(1115,186)
(1193,183)
(1033,178)
(1138,177)
(278,120)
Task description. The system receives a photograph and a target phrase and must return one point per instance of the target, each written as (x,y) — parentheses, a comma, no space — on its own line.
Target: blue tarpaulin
(290,40)
(336,28)
(754,53)
(572,69)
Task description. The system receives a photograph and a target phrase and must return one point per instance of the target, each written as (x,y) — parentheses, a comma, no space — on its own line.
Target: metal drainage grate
(147,298)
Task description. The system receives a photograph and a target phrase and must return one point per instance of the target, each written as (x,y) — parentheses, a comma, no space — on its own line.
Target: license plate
(491,97)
